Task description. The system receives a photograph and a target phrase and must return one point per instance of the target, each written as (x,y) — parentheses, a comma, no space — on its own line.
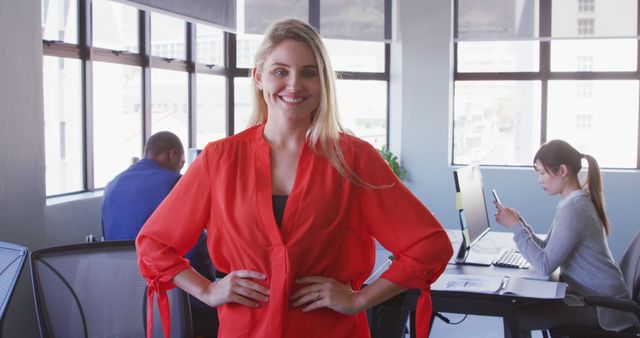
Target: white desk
(488,246)
(487,304)
(485,250)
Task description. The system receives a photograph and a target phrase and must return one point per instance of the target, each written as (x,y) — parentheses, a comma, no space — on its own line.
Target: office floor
(472,326)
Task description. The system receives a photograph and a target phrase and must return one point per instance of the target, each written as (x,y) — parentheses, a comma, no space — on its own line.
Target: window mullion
(84,40)
(545,64)
(230,55)
(387,21)
(192,85)
(387,72)
(455,75)
(144,22)
(314,14)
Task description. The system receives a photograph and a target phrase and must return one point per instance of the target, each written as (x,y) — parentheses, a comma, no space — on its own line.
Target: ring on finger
(317,295)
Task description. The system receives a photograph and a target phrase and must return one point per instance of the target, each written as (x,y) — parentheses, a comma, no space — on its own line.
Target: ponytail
(555,153)
(593,185)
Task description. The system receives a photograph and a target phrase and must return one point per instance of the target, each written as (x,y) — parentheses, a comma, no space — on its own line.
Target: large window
(114,74)
(117,126)
(528,71)
(63,124)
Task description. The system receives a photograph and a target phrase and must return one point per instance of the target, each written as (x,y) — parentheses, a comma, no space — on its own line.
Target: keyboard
(511,258)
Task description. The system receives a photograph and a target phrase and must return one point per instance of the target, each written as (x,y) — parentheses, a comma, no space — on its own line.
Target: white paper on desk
(468,283)
(500,285)
(534,288)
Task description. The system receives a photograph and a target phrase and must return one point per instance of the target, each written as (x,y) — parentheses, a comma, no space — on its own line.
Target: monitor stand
(462,252)
(468,257)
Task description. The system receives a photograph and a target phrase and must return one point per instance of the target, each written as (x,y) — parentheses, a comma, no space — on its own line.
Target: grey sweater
(576,242)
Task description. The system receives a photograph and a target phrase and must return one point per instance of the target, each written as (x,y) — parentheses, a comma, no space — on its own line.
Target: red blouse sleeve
(404,226)
(171,231)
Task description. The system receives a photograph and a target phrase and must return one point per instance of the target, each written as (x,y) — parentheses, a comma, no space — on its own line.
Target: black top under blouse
(279,202)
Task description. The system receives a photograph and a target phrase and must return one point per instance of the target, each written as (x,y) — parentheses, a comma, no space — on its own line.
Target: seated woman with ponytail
(576,243)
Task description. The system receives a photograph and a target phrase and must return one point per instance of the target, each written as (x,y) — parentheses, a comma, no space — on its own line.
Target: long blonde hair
(324,131)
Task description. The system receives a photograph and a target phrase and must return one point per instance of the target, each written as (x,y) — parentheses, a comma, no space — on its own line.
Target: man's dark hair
(162,142)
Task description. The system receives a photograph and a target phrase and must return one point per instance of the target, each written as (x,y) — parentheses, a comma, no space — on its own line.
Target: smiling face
(290,82)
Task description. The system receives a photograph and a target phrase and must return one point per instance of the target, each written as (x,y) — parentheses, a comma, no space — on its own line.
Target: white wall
(424,32)
(24,217)
(21,151)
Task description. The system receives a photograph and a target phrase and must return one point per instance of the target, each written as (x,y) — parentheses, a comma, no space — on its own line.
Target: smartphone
(495,196)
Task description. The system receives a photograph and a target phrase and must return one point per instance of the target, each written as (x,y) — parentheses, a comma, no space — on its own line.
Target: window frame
(87,53)
(544,73)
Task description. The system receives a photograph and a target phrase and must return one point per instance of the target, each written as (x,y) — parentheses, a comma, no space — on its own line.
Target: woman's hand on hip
(326,292)
(237,287)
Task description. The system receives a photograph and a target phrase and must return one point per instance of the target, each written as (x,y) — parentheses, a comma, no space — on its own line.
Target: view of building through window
(117,126)
(211,123)
(118,98)
(63,124)
(506,104)
(520,79)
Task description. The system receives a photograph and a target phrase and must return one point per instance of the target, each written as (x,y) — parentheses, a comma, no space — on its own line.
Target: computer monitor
(472,209)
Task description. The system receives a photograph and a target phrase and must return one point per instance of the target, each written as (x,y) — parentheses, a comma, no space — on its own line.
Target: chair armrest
(614,303)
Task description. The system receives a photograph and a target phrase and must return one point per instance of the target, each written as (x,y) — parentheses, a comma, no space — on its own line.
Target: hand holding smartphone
(495,196)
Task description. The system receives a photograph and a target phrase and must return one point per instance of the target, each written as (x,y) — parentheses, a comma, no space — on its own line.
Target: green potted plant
(392,161)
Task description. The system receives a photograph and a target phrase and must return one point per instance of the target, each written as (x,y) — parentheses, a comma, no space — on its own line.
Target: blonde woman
(291,207)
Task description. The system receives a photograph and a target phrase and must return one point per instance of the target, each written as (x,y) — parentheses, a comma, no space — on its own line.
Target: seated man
(132,196)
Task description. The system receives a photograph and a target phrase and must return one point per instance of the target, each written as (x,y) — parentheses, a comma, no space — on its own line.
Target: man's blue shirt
(132,196)
(129,199)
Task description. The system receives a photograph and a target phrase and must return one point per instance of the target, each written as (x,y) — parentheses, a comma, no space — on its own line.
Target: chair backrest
(12,258)
(95,290)
(630,266)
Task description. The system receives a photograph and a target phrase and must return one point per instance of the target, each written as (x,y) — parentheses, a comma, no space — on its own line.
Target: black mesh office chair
(630,266)
(390,318)
(12,258)
(95,290)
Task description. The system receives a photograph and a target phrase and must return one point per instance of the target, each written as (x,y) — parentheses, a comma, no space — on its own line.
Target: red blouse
(328,229)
